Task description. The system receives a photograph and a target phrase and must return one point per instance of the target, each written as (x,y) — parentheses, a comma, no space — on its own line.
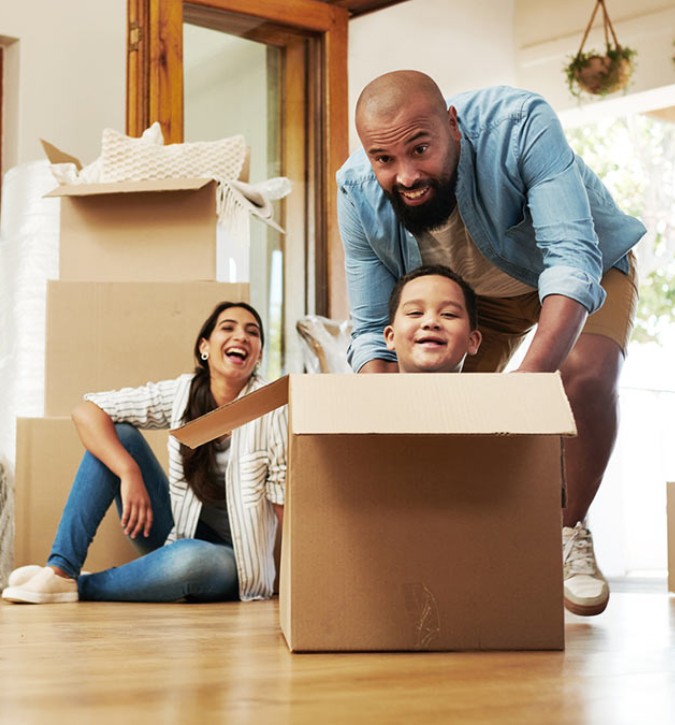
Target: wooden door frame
(155,93)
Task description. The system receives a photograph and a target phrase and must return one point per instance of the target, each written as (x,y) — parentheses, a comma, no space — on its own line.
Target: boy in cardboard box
(200,536)
(432,328)
(433,322)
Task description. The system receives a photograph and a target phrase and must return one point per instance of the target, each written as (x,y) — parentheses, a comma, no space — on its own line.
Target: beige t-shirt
(453,246)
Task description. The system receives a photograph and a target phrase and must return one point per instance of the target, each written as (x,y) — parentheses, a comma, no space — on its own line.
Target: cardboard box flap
(56,156)
(479,404)
(127,187)
(230,416)
(434,403)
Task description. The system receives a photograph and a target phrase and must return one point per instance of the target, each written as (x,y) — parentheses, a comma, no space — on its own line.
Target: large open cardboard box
(161,230)
(108,335)
(423,512)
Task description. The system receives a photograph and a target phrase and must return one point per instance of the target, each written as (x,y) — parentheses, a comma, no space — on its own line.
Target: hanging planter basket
(599,74)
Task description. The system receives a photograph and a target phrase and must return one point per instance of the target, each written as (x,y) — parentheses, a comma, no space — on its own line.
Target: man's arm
(560,208)
(560,323)
(369,284)
(558,201)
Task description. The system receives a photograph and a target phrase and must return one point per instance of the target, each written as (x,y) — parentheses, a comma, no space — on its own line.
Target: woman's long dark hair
(199,464)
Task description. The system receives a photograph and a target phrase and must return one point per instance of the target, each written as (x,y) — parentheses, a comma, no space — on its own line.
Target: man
(490,187)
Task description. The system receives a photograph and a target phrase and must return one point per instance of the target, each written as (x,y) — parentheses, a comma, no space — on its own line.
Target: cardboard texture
(670,517)
(48,454)
(107,335)
(160,230)
(423,511)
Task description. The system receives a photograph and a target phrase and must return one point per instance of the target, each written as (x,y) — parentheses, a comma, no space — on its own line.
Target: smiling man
(488,185)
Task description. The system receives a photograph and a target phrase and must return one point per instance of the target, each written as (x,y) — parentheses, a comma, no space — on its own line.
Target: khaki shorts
(504,322)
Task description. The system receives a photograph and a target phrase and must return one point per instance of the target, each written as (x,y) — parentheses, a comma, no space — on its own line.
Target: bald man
(487,184)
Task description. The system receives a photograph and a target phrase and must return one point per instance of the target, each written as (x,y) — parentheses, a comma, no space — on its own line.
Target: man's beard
(430,215)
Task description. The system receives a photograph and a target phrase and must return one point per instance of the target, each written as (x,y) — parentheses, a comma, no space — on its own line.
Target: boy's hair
(440,270)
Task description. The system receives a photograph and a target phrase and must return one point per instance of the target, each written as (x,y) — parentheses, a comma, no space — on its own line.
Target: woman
(207,533)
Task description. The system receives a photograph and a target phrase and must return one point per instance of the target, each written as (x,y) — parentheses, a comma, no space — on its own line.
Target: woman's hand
(136,509)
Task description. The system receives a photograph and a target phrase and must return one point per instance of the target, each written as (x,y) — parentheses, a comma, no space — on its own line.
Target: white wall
(472,43)
(65,75)
(548,34)
(461,44)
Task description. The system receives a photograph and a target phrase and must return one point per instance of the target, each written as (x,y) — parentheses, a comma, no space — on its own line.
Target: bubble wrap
(6,521)
(29,230)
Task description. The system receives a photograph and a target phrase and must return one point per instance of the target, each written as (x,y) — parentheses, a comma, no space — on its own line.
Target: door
(293,56)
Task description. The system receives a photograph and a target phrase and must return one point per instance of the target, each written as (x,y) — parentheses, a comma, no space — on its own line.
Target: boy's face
(431,332)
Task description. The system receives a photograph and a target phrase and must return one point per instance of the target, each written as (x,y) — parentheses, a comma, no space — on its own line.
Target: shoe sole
(585,610)
(15,595)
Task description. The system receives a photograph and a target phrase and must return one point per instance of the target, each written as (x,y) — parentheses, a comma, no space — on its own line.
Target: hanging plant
(600,73)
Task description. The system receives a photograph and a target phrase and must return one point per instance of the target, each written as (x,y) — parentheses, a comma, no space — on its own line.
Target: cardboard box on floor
(423,512)
(108,335)
(48,453)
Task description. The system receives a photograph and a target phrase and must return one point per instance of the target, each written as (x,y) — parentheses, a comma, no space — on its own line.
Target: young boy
(432,321)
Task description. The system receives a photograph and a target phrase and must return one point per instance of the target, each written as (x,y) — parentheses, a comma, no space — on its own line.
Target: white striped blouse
(254,480)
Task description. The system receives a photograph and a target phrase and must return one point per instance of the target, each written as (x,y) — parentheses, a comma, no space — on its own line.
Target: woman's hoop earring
(204,356)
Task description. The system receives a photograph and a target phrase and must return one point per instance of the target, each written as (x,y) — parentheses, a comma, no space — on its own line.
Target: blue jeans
(191,569)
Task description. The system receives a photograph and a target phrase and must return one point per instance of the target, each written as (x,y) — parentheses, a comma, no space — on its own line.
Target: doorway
(290,65)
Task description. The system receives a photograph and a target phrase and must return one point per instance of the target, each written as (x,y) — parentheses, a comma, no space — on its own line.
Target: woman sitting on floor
(207,533)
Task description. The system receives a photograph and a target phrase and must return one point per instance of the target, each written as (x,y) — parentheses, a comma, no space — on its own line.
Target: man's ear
(475,339)
(389,337)
(454,126)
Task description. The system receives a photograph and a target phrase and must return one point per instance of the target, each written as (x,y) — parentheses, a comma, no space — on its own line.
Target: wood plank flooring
(228,663)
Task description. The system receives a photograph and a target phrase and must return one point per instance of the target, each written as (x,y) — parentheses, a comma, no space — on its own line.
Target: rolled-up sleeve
(148,406)
(560,208)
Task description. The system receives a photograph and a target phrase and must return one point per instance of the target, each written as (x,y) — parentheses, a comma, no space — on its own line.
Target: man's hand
(560,323)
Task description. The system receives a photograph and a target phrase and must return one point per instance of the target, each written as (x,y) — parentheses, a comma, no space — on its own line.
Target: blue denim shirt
(533,208)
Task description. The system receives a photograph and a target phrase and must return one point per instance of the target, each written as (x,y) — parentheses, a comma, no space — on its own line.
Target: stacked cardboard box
(137,277)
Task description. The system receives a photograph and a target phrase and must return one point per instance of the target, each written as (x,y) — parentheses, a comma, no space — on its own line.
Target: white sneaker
(22,575)
(586,590)
(44,587)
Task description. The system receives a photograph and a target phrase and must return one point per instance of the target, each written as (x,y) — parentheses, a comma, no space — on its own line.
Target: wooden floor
(228,663)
